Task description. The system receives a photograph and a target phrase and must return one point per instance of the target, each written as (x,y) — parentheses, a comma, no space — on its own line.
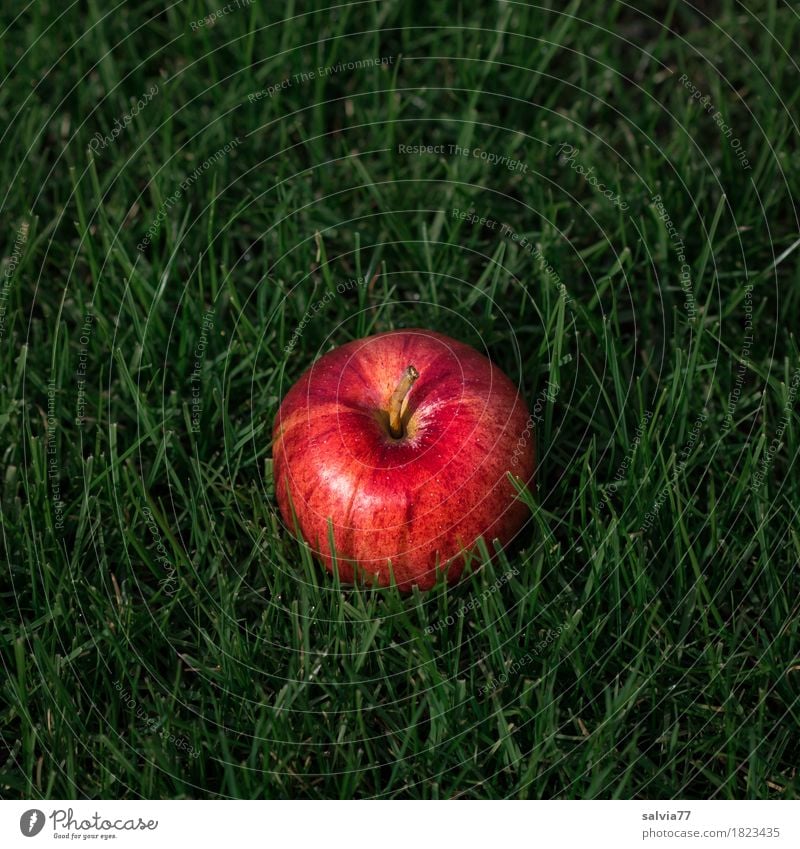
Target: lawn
(195,206)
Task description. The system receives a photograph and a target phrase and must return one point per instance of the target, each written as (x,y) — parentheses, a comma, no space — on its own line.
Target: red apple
(397,446)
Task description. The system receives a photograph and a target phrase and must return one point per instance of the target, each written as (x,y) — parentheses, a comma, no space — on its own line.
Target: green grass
(642,640)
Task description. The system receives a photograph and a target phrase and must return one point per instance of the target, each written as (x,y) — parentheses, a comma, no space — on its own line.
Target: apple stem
(397,399)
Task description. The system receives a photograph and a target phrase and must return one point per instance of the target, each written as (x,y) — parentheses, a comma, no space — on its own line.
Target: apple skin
(417,501)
